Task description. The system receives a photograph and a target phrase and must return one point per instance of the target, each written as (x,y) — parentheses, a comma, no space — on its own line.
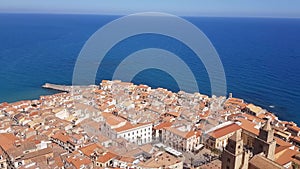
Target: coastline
(176,124)
(66,88)
(59,88)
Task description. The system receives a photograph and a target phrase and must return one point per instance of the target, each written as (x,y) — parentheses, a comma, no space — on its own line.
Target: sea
(260,56)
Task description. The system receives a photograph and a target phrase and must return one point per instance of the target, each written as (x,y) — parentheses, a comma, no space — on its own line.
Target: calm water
(261,57)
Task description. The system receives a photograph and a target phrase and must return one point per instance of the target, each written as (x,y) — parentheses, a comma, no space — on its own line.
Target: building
(7,142)
(288,157)
(294,130)
(98,154)
(161,160)
(181,138)
(265,143)
(115,127)
(259,161)
(64,141)
(253,110)
(157,130)
(218,138)
(250,131)
(234,156)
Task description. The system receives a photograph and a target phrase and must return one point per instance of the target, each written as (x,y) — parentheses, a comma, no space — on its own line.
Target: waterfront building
(253,110)
(294,130)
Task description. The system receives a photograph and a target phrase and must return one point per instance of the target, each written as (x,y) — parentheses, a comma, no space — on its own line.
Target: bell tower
(265,142)
(234,156)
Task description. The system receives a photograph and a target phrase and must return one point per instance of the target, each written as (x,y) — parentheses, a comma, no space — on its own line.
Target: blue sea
(261,56)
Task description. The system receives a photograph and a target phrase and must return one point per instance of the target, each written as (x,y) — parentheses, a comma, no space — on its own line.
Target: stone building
(234,156)
(265,143)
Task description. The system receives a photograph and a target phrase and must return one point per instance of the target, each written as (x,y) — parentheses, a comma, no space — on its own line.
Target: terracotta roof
(295,139)
(106,157)
(77,162)
(182,134)
(175,114)
(62,137)
(234,100)
(225,130)
(58,161)
(160,160)
(294,128)
(281,142)
(112,119)
(280,149)
(162,125)
(90,149)
(252,118)
(248,126)
(7,140)
(129,126)
(126,159)
(262,162)
(286,156)
(38,153)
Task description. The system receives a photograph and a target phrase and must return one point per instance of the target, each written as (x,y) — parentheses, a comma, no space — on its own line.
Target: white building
(116,127)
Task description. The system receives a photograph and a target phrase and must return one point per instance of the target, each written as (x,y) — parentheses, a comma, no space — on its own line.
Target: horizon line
(120,15)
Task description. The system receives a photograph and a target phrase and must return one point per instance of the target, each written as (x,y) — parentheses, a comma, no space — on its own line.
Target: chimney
(17,143)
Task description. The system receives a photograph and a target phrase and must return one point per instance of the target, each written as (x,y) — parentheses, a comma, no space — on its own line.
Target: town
(122,125)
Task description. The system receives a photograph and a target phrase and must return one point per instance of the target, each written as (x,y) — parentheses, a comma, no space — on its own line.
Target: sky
(222,8)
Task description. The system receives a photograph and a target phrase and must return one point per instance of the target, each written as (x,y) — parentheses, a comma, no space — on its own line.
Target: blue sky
(236,8)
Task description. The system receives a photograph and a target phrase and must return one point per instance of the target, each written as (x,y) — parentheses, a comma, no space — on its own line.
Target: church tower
(265,142)
(234,156)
